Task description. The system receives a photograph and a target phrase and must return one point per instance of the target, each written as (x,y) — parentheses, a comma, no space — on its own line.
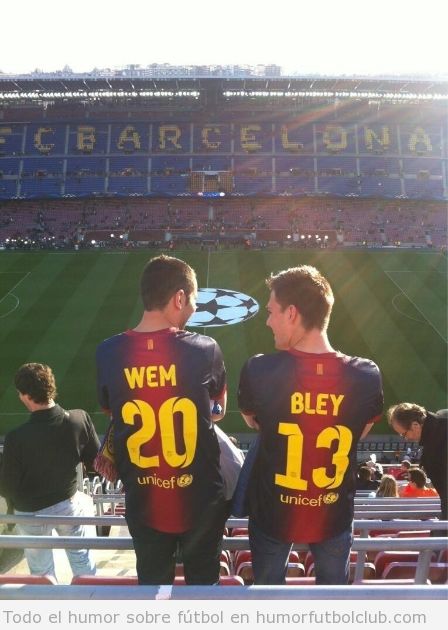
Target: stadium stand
(300,223)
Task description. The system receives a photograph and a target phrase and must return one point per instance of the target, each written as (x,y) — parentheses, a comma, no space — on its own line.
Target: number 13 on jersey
(296,448)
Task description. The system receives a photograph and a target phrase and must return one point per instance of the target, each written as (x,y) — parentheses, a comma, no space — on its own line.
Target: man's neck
(313,341)
(152,321)
(33,406)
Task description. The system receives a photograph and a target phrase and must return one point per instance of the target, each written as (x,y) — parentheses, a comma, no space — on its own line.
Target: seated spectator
(417,485)
(403,474)
(364,480)
(376,470)
(388,487)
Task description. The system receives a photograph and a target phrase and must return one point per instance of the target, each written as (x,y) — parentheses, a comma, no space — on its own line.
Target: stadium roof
(85,85)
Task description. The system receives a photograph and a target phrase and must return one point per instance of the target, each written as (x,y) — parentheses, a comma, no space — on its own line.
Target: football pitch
(56,307)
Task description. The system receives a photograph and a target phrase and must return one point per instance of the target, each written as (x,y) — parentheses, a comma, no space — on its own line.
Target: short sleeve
(218,378)
(245,398)
(375,403)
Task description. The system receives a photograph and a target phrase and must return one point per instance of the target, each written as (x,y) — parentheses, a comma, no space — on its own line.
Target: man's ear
(293,313)
(179,299)
(26,400)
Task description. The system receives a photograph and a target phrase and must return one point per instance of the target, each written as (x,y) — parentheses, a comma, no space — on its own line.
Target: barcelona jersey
(157,387)
(311,409)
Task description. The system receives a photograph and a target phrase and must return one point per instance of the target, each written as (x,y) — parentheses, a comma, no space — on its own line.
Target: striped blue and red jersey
(311,409)
(157,387)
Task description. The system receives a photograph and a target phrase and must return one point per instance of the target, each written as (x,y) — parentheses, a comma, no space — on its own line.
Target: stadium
(241,174)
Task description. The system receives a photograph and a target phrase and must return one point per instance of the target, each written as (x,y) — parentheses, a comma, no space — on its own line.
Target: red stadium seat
(105,580)
(369,571)
(224,580)
(383,558)
(295,569)
(383,533)
(244,570)
(309,560)
(411,533)
(243,555)
(240,531)
(438,571)
(132,580)
(27,579)
(225,556)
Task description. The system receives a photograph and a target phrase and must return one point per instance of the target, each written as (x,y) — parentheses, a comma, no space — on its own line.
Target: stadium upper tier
(207,81)
(216,146)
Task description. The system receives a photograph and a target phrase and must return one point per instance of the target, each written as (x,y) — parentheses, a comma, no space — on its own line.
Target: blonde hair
(388,487)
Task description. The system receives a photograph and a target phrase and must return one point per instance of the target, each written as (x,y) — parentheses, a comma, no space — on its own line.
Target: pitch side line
(414,319)
(415,305)
(16,284)
(10,292)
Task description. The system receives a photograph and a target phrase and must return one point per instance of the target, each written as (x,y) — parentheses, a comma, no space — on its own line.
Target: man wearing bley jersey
(157,381)
(311,405)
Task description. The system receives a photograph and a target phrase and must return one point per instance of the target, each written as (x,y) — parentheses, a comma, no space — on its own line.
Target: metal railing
(363,525)
(425,546)
(304,593)
(365,507)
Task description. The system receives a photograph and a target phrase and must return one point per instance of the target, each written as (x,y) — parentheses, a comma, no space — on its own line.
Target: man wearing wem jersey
(311,405)
(157,380)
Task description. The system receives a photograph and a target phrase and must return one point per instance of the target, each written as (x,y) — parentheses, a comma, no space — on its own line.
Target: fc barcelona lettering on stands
(252,138)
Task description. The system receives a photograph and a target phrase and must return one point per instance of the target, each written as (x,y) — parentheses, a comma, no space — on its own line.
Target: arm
(245,398)
(369,425)
(218,383)
(10,472)
(376,402)
(366,430)
(92,445)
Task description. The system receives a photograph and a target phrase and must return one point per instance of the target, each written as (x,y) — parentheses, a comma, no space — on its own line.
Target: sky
(336,37)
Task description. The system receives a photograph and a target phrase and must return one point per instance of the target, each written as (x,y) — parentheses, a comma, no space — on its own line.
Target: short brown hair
(162,277)
(405,414)
(417,476)
(37,381)
(305,288)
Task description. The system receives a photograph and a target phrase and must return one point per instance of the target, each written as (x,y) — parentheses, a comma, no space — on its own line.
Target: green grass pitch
(56,307)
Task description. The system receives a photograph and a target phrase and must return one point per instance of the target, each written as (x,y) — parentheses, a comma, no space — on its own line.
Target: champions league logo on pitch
(221,307)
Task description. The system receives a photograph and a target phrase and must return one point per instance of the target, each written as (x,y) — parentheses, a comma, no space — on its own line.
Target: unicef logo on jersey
(330,497)
(184,480)
(221,307)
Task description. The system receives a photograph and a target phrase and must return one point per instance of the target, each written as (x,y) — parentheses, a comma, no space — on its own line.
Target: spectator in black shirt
(38,474)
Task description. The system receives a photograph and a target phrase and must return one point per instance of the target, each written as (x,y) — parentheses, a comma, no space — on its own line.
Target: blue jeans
(41,561)
(240,507)
(270,557)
